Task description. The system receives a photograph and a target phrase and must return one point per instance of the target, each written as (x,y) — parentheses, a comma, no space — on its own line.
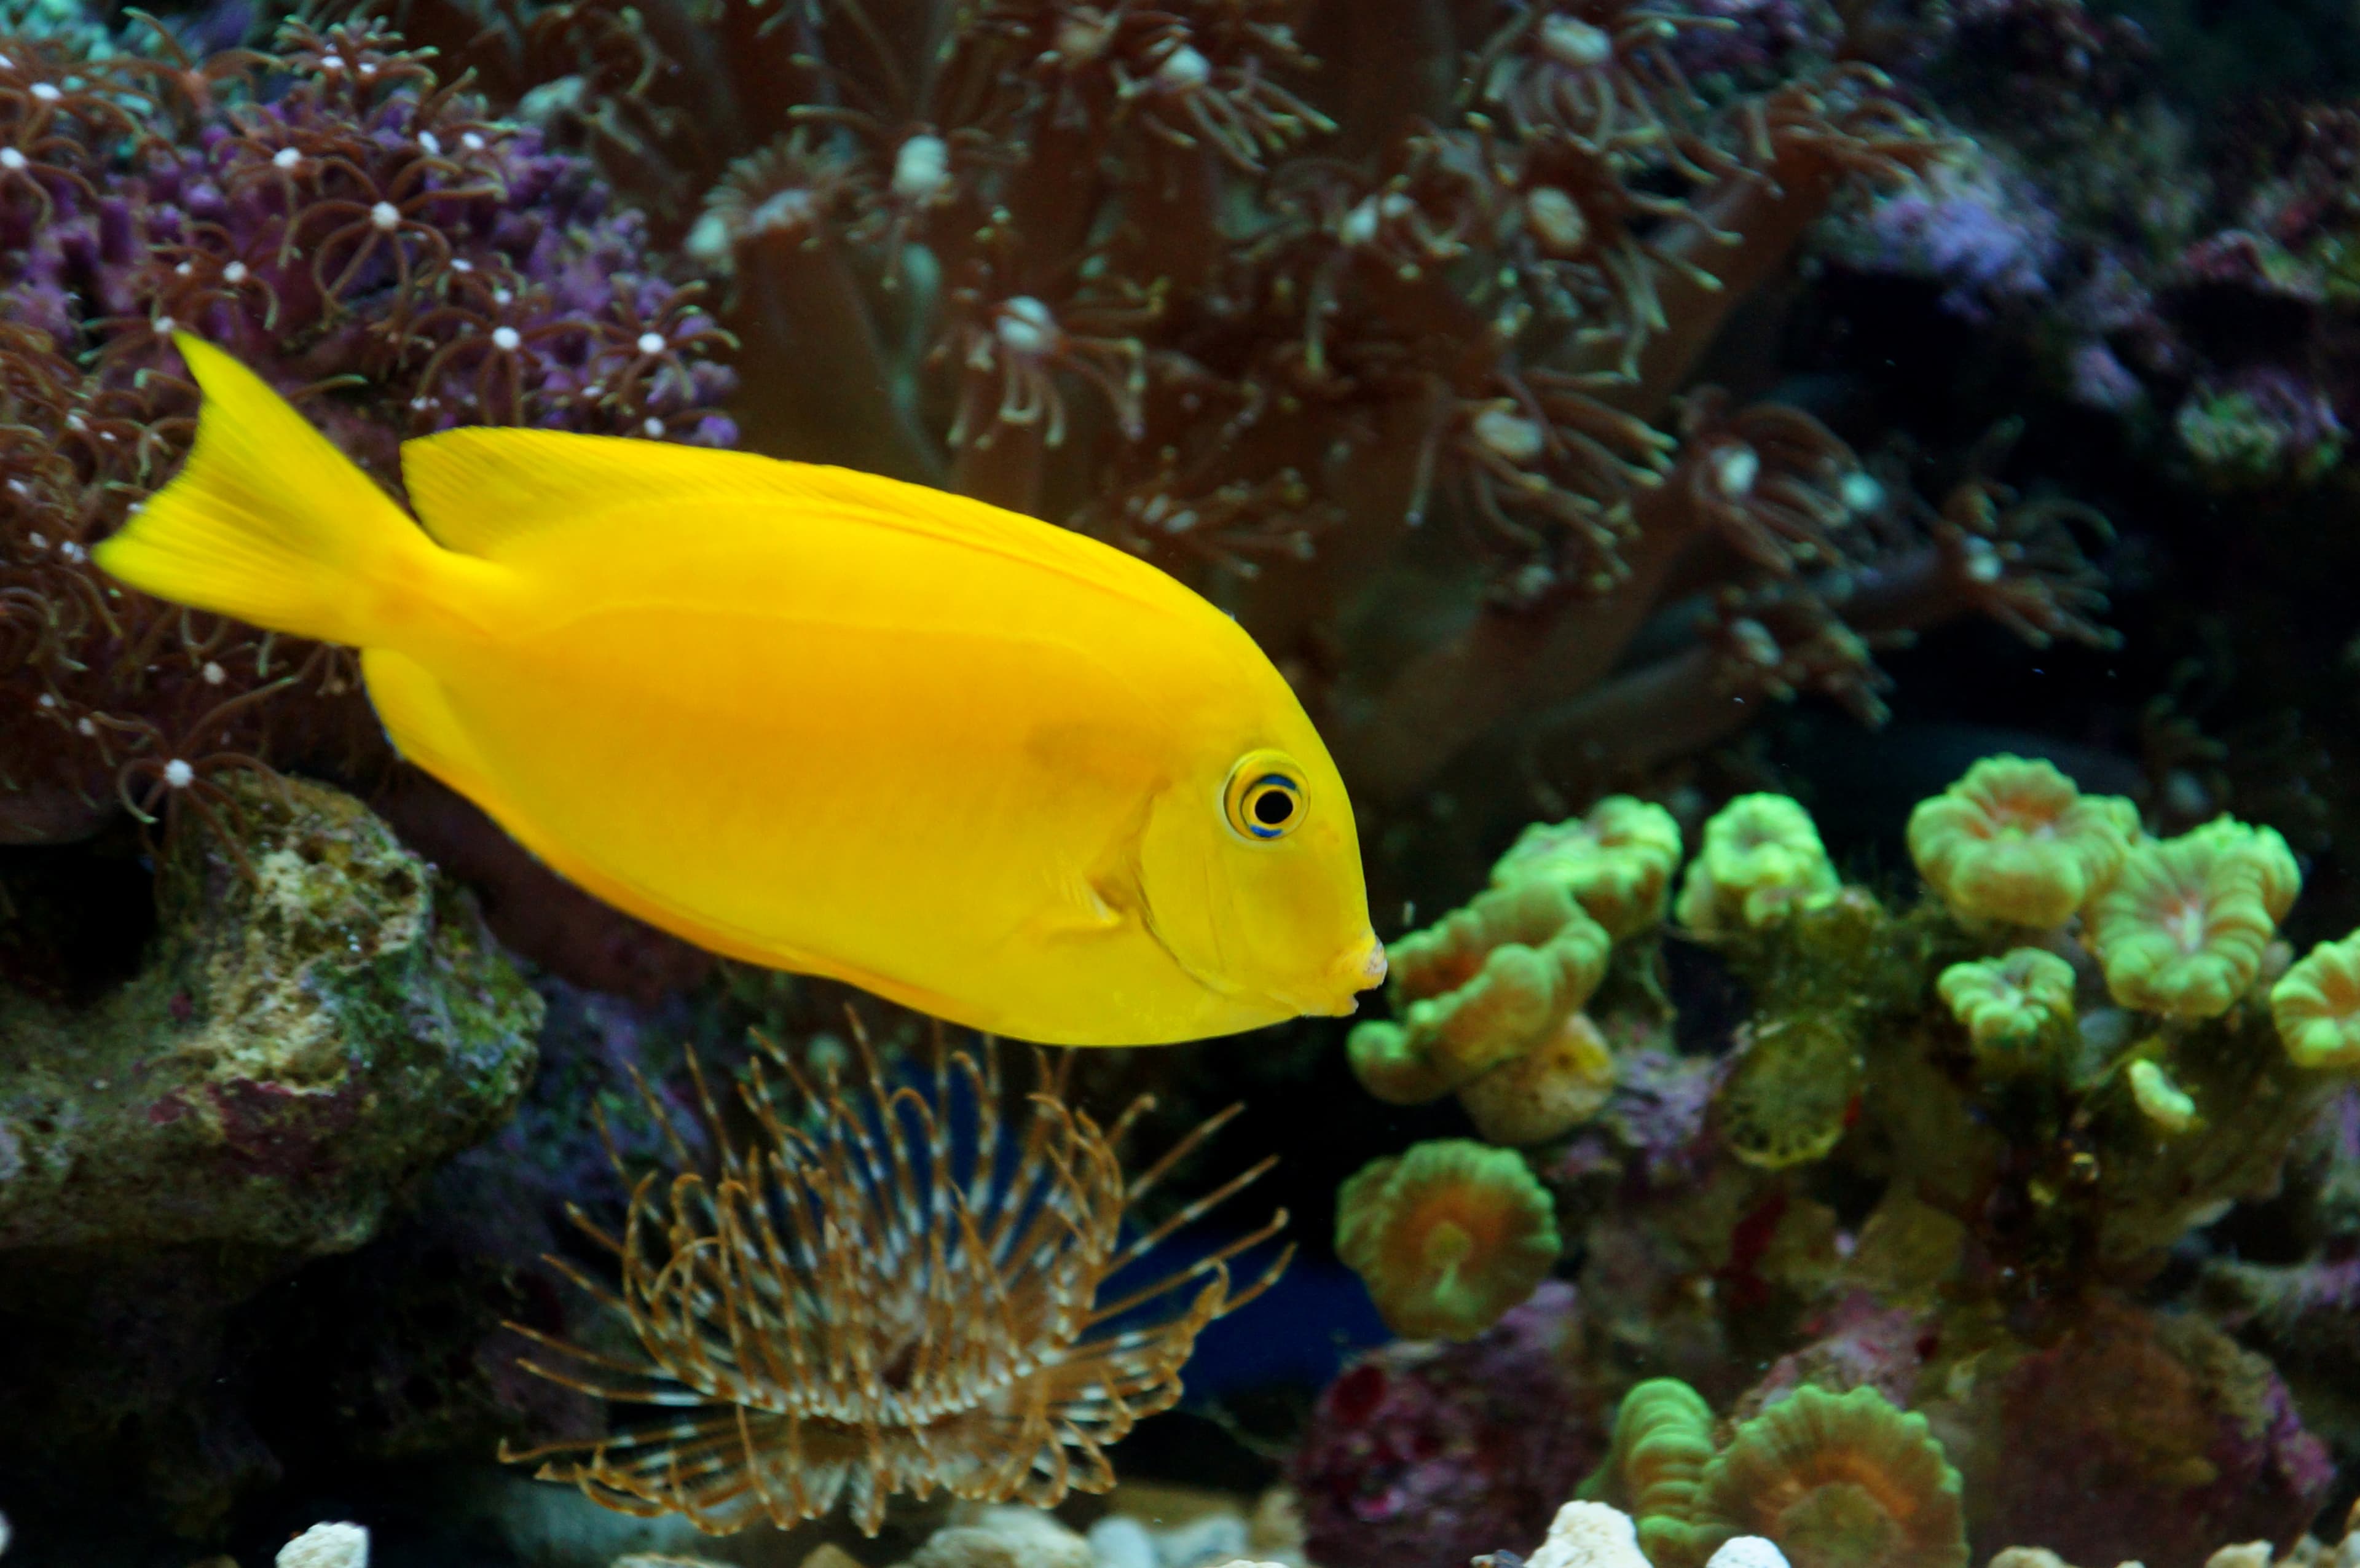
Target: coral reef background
(1770,401)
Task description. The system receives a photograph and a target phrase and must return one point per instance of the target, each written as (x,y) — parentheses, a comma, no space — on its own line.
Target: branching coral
(883,1291)
(1448,1236)
(2015,842)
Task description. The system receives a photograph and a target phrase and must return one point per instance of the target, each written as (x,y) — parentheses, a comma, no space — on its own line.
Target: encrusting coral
(2015,842)
(884,1291)
(1448,1236)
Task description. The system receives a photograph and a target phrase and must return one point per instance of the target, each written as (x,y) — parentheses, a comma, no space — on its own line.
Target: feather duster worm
(884,1290)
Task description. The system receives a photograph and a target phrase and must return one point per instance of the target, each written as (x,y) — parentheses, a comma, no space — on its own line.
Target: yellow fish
(807,717)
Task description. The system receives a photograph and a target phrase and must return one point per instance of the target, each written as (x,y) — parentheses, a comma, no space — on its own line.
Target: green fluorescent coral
(1617,861)
(2008,1003)
(2015,842)
(1833,1480)
(1762,859)
(1446,1237)
(2182,928)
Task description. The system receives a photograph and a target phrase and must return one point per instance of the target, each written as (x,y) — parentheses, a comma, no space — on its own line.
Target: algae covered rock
(313,1026)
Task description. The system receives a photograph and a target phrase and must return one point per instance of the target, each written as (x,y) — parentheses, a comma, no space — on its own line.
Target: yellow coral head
(2181,929)
(1616,860)
(1448,1236)
(1762,858)
(2007,1003)
(2316,1006)
(2015,842)
(1836,1481)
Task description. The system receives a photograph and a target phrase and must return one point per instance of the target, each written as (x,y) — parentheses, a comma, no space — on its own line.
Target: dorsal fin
(477,488)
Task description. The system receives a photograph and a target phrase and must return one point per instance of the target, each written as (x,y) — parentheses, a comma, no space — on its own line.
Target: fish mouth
(1360,967)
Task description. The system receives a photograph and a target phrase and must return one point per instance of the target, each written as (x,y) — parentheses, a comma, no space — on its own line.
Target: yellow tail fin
(270,523)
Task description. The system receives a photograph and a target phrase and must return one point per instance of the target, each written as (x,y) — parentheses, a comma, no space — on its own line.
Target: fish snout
(1358,968)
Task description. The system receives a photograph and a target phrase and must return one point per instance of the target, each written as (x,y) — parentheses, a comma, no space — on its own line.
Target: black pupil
(1273,806)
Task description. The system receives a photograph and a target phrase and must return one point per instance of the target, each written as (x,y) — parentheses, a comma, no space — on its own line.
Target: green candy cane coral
(1834,1480)
(1762,858)
(2015,843)
(1446,1237)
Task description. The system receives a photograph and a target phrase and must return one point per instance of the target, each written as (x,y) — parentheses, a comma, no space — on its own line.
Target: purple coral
(1980,234)
(1421,1455)
(375,246)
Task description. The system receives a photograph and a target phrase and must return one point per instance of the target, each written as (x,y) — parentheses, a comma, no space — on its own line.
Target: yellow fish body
(807,717)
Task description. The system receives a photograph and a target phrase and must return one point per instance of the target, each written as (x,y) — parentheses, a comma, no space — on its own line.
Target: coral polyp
(2316,1006)
(2182,928)
(1762,859)
(1448,1236)
(885,1291)
(2015,842)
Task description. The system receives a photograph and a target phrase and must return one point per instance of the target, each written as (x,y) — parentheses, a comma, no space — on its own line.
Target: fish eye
(1264,797)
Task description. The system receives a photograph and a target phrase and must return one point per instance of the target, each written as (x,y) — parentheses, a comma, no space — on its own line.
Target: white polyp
(1509,434)
(1568,40)
(1184,68)
(507,340)
(655,427)
(179,774)
(790,209)
(651,343)
(46,92)
(213,673)
(286,158)
(165,326)
(13,160)
(429,141)
(1556,219)
(472,142)
(1984,564)
(1026,327)
(332,62)
(1755,643)
(922,169)
(1859,492)
(386,215)
(233,273)
(1735,470)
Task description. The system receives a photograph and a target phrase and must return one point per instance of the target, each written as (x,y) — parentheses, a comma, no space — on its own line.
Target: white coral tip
(1589,1535)
(327,1546)
(1747,1552)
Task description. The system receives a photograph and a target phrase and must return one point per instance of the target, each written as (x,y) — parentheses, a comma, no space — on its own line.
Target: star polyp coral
(2014,842)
